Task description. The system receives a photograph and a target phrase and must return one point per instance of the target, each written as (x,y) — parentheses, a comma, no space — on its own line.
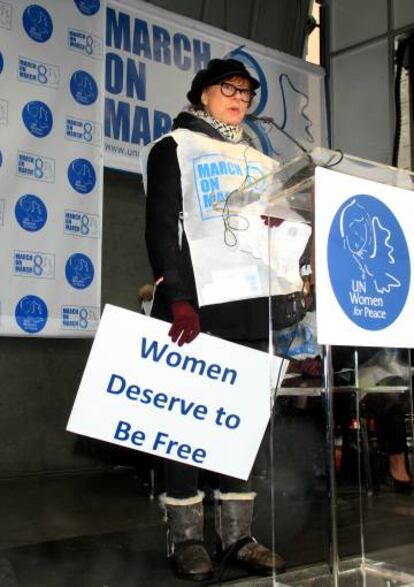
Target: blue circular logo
(1,62)
(31,314)
(37,118)
(79,271)
(37,23)
(88,7)
(82,176)
(83,88)
(369,263)
(30,212)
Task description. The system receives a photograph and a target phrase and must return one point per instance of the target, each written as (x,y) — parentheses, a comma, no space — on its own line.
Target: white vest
(229,242)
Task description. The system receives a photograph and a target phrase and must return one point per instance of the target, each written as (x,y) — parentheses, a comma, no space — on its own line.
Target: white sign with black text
(205,404)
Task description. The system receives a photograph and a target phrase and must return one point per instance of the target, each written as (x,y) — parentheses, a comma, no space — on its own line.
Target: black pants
(182,481)
(388,409)
(389,412)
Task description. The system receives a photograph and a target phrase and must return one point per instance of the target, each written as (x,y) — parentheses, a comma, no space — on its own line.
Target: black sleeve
(163,206)
(305,259)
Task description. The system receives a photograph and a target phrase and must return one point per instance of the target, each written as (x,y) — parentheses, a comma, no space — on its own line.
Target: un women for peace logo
(30,212)
(82,176)
(31,314)
(83,88)
(37,118)
(88,7)
(368,262)
(37,23)
(79,271)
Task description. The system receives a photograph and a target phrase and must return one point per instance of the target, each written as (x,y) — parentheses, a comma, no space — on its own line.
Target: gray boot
(233,517)
(185,537)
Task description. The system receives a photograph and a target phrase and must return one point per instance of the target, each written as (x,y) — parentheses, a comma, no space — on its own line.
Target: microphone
(270,120)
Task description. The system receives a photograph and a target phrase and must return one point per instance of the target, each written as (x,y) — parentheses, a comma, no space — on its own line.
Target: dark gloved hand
(272,221)
(186,323)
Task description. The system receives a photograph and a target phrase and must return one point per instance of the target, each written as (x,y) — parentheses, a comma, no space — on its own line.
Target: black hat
(217,70)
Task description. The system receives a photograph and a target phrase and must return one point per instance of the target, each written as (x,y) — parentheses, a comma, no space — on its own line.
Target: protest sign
(205,404)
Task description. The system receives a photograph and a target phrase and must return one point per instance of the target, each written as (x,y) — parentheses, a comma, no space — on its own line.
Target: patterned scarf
(229,132)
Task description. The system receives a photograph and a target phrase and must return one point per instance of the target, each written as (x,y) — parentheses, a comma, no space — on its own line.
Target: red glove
(186,323)
(272,221)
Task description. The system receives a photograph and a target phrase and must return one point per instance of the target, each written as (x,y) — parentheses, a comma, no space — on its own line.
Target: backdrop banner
(51,164)
(205,404)
(151,58)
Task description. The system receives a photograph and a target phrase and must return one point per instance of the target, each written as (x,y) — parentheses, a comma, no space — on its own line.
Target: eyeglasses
(229,90)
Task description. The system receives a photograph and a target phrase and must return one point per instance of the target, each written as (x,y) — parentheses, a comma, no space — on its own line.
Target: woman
(220,96)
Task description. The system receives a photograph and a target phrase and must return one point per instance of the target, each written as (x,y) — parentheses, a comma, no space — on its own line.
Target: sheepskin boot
(185,537)
(233,521)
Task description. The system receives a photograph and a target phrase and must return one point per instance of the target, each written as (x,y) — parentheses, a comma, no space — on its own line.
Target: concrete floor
(103,530)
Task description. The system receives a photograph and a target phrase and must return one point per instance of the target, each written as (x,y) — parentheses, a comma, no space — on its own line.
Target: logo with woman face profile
(79,271)
(30,212)
(368,262)
(31,314)
(37,118)
(37,23)
(83,88)
(82,176)
(88,7)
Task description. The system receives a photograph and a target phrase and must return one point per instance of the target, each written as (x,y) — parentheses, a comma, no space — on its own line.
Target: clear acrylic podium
(330,482)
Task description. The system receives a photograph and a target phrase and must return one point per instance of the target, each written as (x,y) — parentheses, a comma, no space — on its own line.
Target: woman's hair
(197,106)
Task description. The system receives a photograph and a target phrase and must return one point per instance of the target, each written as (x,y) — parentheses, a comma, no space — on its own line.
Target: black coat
(241,320)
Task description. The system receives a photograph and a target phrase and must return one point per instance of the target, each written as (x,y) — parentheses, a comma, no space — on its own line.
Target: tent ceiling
(279,24)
